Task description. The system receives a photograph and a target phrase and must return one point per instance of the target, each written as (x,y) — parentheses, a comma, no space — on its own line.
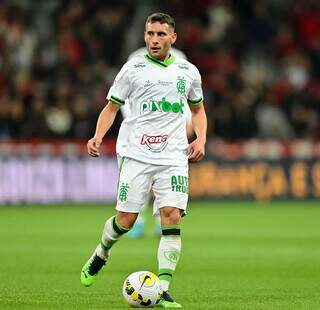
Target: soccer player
(137,231)
(156,152)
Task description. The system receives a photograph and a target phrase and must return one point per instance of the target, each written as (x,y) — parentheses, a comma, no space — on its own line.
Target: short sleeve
(120,88)
(125,111)
(195,96)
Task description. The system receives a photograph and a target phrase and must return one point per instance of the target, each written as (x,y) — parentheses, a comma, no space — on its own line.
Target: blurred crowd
(259,60)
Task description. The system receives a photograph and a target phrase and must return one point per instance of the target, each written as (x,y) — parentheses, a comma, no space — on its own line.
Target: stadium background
(258,186)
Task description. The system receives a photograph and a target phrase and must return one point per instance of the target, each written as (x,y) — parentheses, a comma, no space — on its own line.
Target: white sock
(111,233)
(168,256)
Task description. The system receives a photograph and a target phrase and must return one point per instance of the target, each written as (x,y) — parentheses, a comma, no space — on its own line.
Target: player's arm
(105,121)
(189,127)
(196,149)
(117,94)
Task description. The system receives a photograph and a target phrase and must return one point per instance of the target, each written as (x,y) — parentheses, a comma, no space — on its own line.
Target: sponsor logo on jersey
(155,143)
(183,66)
(161,106)
(164,83)
(159,82)
(139,65)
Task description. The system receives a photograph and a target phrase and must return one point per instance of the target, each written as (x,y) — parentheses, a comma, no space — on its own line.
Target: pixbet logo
(162,106)
(155,143)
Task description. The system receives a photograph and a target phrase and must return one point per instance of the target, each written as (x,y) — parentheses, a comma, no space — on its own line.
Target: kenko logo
(154,143)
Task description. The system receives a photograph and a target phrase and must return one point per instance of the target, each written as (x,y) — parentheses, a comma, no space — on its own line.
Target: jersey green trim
(195,102)
(160,63)
(117,100)
(121,163)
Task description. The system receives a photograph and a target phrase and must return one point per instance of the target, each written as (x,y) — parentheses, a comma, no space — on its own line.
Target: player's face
(159,38)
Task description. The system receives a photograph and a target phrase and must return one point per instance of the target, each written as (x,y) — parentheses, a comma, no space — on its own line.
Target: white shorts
(168,183)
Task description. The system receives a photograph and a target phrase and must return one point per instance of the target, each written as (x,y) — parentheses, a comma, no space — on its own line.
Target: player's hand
(93,147)
(196,150)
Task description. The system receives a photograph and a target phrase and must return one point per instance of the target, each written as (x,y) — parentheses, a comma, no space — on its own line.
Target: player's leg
(171,196)
(157,225)
(114,228)
(169,252)
(138,228)
(134,186)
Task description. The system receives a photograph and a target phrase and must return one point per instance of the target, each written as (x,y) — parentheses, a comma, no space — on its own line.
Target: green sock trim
(165,274)
(171,230)
(165,277)
(166,270)
(120,230)
(170,227)
(108,246)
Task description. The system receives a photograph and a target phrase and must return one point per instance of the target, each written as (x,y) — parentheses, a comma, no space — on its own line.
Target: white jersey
(125,109)
(157,93)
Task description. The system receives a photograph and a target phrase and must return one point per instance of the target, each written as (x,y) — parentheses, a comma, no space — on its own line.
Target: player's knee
(126,219)
(170,216)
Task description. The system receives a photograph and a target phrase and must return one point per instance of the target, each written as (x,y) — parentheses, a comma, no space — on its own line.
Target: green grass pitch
(239,255)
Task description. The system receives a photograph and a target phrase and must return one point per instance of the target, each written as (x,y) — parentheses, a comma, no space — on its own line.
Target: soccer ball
(142,289)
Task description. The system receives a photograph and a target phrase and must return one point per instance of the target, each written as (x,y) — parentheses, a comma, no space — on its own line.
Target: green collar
(162,64)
